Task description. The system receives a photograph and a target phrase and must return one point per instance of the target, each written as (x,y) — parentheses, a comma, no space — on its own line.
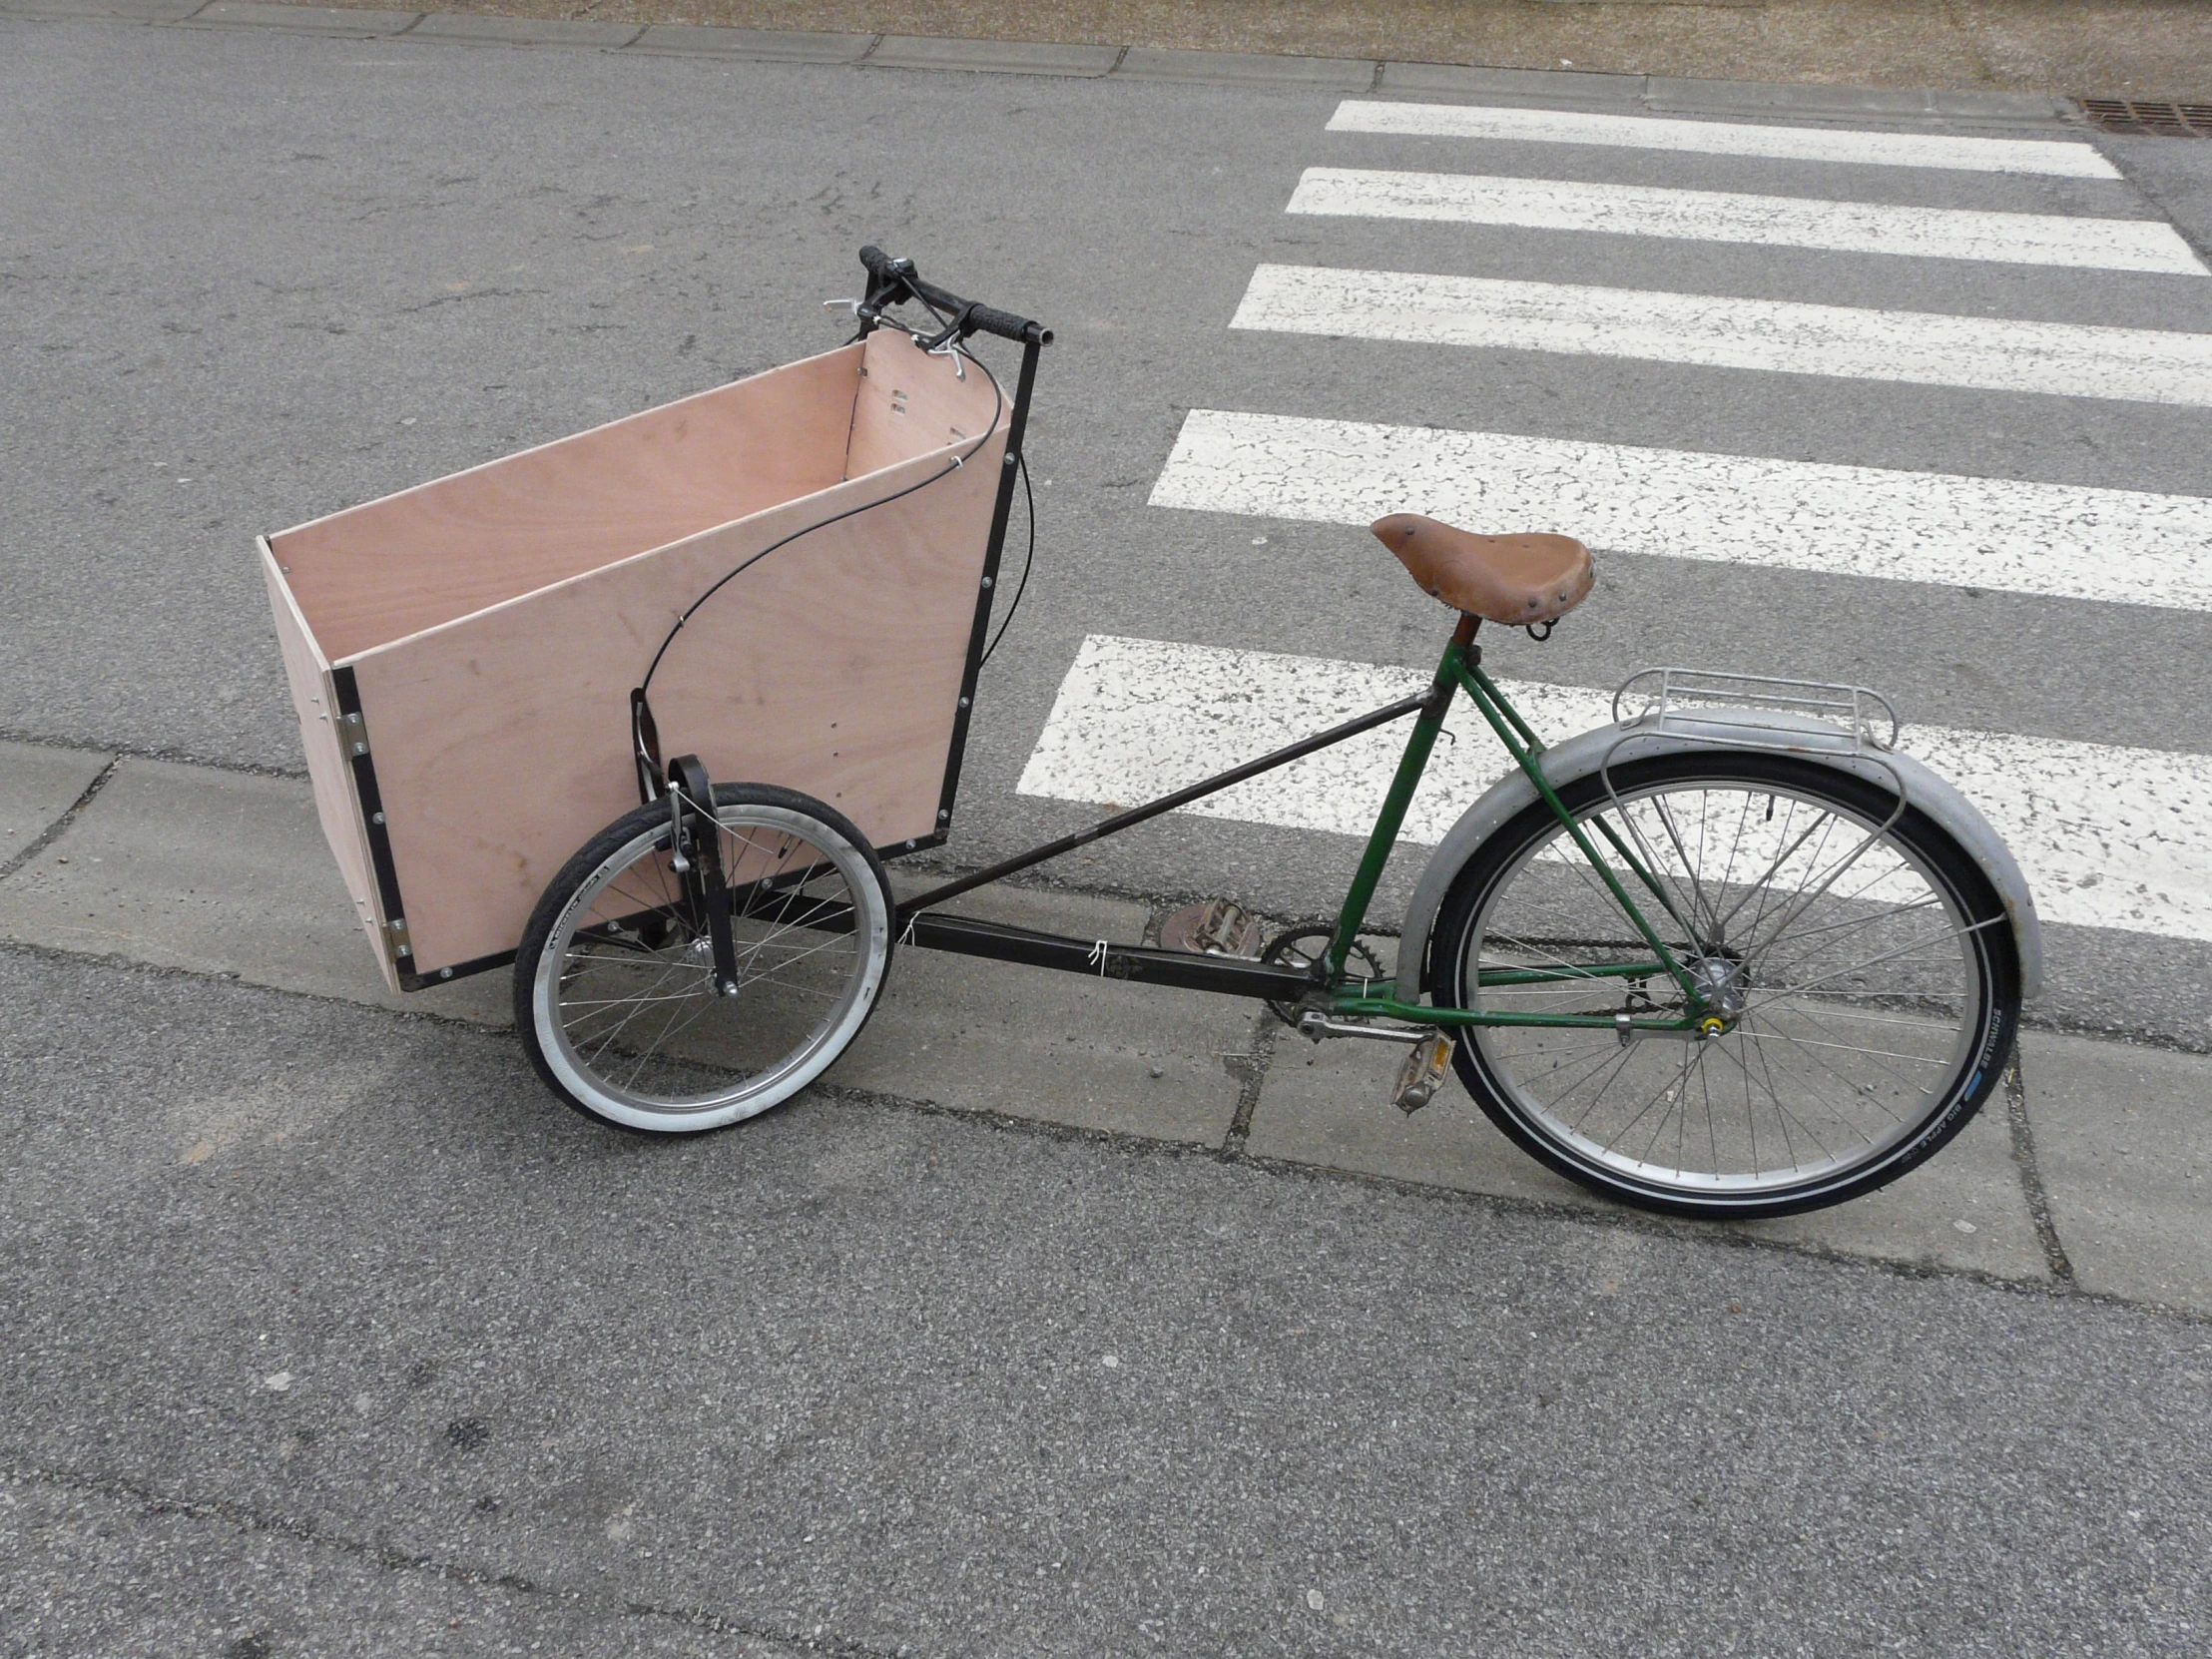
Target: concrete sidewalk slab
(2123,1142)
(216,873)
(524,31)
(1564,87)
(37,785)
(1683,94)
(126,11)
(753,45)
(1150,63)
(1329,1105)
(226,873)
(993,57)
(309,20)
(1054,1047)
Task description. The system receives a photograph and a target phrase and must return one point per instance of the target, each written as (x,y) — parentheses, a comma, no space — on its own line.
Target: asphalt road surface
(874,1381)
(407,1345)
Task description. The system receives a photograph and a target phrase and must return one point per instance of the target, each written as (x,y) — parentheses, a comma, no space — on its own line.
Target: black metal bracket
(697,855)
(645,749)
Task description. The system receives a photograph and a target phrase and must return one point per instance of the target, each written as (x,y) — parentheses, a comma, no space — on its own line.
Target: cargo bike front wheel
(617,994)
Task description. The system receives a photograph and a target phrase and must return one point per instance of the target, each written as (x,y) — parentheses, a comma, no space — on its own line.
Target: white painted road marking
(1992,354)
(2118,546)
(2108,836)
(2134,245)
(2052,158)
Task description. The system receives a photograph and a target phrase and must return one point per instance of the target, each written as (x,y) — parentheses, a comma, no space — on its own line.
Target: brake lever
(950,348)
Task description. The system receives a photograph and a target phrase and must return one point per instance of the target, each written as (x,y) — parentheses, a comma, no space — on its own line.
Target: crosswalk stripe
(2050,157)
(2134,245)
(2108,836)
(2062,541)
(1992,353)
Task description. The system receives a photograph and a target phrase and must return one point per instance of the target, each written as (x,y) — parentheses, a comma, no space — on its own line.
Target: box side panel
(910,402)
(334,800)
(377,573)
(832,667)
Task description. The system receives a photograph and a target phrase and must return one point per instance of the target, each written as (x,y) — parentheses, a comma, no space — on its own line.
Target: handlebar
(891,280)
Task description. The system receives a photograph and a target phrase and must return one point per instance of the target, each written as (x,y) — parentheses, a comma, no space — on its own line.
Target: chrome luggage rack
(1653,697)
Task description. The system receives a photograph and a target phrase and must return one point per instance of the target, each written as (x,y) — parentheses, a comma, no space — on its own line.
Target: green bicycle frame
(1462,671)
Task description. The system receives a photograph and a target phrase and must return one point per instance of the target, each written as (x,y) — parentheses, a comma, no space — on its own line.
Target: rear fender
(1720,731)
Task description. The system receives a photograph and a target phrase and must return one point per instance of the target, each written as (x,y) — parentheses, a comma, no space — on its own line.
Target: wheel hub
(1722,983)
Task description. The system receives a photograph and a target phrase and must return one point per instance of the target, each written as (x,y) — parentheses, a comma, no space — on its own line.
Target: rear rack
(1654,696)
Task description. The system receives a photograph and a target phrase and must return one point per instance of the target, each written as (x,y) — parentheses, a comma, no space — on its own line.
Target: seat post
(1463,635)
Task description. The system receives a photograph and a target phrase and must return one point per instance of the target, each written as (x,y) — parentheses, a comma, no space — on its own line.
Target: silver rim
(627,1013)
(1857,984)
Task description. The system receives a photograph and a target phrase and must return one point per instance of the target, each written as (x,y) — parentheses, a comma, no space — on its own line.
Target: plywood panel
(393,567)
(832,667)
(334,801)
(909,401)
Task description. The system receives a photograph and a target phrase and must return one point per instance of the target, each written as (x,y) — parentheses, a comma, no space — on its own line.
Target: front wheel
(616,995)
(1855,969)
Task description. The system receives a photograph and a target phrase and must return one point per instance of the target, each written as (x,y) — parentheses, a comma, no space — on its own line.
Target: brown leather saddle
(1532,578)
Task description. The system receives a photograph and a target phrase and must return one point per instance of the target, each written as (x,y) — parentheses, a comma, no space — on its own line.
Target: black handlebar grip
(1007,326)
(883,271)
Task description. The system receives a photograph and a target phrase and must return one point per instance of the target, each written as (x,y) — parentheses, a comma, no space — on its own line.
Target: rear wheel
(1856,967)
(616,995)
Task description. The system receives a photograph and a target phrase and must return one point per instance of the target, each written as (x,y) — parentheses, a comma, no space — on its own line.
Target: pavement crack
(473,293)
(2031,1179)
(150,1502)
(1251,1070)
(60,826)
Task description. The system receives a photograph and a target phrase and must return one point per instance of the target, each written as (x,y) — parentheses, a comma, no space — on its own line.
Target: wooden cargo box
(463,654)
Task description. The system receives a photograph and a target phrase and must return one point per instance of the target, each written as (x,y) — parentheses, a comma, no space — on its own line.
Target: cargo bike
(646,711)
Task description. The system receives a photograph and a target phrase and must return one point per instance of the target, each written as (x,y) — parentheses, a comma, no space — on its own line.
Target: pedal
(1422,1074)
(1218,928)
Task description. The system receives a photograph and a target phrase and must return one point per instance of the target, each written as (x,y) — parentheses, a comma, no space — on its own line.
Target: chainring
(1301,947)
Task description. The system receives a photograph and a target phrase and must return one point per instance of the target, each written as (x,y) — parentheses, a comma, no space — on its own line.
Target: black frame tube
(1182,969)
(891,281)
(986,595)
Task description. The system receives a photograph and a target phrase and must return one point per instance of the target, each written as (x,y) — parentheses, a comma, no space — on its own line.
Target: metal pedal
(1218,928)
(1422,1074)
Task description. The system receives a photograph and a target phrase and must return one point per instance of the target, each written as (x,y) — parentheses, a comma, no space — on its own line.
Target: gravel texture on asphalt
(319,1321)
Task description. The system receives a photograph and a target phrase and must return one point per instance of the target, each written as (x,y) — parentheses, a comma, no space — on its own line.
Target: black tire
(1949,1028)
(659,1050)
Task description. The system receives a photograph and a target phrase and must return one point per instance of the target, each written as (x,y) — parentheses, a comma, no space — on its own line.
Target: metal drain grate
(2125,115)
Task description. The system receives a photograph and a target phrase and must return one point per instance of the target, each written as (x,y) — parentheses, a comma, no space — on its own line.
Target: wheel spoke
(1844,968)
(630,1023)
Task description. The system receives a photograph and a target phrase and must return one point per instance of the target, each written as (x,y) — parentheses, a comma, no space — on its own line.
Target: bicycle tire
(615,995)
(1948,1009)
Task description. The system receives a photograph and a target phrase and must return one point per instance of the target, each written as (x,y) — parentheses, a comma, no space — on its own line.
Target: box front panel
(832,666)
(314,700)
